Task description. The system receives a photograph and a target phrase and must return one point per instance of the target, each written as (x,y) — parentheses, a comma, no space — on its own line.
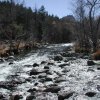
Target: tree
(88,23)
(94,25)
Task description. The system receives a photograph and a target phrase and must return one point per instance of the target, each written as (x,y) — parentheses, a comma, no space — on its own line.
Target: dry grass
(96,55)
(79,49)
(20,46)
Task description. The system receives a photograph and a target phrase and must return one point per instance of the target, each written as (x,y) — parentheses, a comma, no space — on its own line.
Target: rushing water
(77,75)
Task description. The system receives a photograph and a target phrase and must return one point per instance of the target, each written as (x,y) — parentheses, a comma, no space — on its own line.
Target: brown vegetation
(16,48)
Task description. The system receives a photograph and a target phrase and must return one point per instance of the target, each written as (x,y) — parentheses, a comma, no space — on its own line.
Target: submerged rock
(90,94)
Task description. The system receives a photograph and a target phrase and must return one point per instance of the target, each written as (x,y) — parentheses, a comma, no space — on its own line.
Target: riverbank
(16,48)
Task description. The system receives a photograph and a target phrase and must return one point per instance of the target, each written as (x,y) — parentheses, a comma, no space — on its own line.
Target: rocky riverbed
(53,72)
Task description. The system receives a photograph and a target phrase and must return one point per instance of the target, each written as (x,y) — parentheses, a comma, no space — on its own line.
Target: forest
(20,24)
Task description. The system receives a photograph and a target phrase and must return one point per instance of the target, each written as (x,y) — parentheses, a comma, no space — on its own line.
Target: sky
(58,8)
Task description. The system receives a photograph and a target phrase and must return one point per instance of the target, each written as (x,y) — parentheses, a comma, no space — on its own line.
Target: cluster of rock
(50,91)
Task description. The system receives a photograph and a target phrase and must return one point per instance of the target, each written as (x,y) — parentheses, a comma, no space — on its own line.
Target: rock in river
(90,63)
(58,58)
(35,65)
(30,97)
(52,89)
(90,94)
(34,72)
(65,95)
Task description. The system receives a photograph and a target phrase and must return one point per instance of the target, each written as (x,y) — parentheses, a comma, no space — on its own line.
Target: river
(76,80)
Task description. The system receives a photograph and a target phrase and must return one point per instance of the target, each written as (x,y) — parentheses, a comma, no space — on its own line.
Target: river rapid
(52,72)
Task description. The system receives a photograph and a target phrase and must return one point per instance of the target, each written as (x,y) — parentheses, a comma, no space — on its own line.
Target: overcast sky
(56,7)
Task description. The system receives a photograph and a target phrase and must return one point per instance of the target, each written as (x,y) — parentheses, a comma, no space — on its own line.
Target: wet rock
(30,97)
(52,89)
(71,58)
(62,65)
(7,85)
(48,79)
(15,97)
(2,96)
(90,94)
(1,60)
(45,96)
(98,68)
(58,58)
(60,79)
(90,63)
(66,60)
(27,65)
(31,90)
(50,63)
(59,62)
(42,76)
(10,63)
(35,65)
(43,62)
(98,87)
(64,54)
(46,67)
(34,72)
(65,95)
(72,54)
(46,71)
(10,59)
(36,84)
(90,69)
(49,73)
(85,57)
(29,79)
(65,70)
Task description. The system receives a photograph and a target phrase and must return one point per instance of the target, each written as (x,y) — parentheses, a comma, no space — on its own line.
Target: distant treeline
(18,22)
